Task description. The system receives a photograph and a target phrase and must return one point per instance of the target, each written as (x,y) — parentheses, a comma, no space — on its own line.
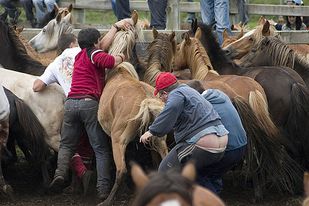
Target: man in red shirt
(81,106)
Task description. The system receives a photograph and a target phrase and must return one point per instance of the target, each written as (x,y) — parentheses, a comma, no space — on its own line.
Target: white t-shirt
(61,69)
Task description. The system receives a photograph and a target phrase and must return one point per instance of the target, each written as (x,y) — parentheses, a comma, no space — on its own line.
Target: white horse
(48,37)
(46,105)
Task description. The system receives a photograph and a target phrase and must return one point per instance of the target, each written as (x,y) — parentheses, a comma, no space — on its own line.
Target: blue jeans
(78,114)
(158,13)
(216,13)
(211,177)
(42,7)
(242,11)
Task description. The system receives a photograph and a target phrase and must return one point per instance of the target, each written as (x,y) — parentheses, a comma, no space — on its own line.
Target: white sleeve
(49,76)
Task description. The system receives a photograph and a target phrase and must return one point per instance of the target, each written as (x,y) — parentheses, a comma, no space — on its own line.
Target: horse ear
(241,33)
(172,36)
(266,31)
(70,8)
(187,38)
(225,34)
(139,177)
(261,20)
(194,25)
(198,33)
(134,16)
(189,171)
(155,33)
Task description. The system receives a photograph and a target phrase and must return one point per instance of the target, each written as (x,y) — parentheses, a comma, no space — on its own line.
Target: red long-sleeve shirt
(88,79)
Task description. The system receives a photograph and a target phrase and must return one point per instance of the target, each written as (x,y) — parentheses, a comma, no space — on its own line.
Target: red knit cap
(164,80)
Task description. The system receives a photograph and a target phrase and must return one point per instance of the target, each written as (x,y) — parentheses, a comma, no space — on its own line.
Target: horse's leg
(4,132)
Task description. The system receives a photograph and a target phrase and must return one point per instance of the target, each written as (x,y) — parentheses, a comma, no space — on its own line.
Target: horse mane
(161,51)
(21,52)
(198,58)
(165,183)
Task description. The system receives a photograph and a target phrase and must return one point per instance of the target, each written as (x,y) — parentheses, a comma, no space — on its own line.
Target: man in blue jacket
(237,141)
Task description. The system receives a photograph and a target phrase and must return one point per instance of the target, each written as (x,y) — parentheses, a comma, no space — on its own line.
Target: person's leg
(70,132)
(122,9)
(170,161)
(113,2)
(242,11)
(39,9)
(158,13)
(10,7)
(191,15)
(28,6)
(207,12)
(49,5)
(100,144)
(222,18)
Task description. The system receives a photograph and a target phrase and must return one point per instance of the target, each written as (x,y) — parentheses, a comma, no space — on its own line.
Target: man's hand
(145,138)
(125,24)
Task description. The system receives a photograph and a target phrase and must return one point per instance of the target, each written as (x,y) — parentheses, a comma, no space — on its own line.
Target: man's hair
(88,37)
(64,42)
(197,85)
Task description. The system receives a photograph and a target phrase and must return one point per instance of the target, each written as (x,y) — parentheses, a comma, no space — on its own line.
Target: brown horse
(306,189)
(271,51)
(127,107)
(256,162)
(171,188)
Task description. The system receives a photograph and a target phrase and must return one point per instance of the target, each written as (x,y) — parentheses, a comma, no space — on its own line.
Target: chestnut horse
(171,188)
(256,163)
(127,107)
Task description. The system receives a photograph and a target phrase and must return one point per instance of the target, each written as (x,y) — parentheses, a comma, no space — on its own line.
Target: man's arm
(38,85)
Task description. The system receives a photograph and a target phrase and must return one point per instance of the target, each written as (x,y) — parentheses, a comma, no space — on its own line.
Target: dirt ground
(28,192)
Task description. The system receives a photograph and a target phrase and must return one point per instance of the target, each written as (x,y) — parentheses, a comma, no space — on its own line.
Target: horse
(46,105)
(306,189)
(15,55)
(171,188)
(257,146)
(271,51)
(47,38)
(26,130)
(126,107)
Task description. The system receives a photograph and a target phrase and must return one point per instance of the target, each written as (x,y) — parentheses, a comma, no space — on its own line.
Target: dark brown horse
(14,55)
(26,130)
(171,188)
(271,51)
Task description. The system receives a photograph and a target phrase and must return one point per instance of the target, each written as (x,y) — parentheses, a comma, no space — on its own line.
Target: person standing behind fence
(158,13)
(293,22)
(121,9)
(216,12)
(242,12)
(42,7)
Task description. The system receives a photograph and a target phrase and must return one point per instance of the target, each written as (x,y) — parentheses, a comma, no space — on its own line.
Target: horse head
(48,37)
(243,45)
(57,11)
(171,188)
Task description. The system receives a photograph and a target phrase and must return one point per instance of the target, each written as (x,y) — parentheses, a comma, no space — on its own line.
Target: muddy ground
(28,192)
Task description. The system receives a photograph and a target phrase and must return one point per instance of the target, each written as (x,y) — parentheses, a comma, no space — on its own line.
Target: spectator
(293,22)
(216,13)
(191,15)
(237,142)
(198,131)
(121,9)
(81,106)
(42,7)
(242,12)
(158,13)
(14,12)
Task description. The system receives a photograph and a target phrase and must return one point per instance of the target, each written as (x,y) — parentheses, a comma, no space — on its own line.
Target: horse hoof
(8,190)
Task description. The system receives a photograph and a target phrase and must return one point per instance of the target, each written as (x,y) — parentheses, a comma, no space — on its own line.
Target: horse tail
(149,109)
(298,121)
(34,133)
(265,153)
(260,108)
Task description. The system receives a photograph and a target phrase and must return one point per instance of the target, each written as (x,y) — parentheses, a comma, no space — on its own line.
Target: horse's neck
(151,73)
(301,66)
(199,64)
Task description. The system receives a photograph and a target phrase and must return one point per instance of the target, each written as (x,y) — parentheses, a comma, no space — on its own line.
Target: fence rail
(176,6)
(294,37)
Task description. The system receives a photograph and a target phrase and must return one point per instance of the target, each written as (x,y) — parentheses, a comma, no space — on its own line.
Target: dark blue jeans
(211,177)
(11,8)
(121,9)
(78,114)
(158,13)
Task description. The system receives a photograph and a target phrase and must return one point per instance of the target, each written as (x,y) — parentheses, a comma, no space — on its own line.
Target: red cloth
(78,165)
(88,79)
(85,150)
(163,80)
